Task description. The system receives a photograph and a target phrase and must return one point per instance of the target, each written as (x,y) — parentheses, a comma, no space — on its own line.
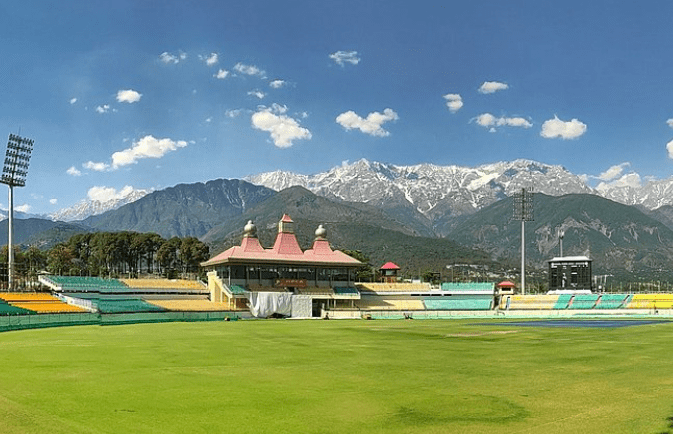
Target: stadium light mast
(14,174)
(523,210)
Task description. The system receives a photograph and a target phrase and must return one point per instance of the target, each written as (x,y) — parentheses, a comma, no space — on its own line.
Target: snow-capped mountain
(457,190)
(86,208)
(432,189)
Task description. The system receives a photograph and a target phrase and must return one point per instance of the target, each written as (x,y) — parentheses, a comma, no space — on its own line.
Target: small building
(570,273)
(389,272)
(283,279)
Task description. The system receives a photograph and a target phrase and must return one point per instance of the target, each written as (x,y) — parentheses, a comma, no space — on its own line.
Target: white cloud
(343,57)
(284,129)
(233,113)
(556,128)
(209,120)
(631,180)
(73,100)
(104,194)
(453,101)
(669,148)
(258,93)
(489,121)
(249,70)
(147,147)
(669,122)
(129,95)
(23,208)
(210,60)
(167,57)
(73,171)
(103,108)
(613,172)
(53,201)
(221,74)
(96,167)
(492,87)
(276,84)
(371,125)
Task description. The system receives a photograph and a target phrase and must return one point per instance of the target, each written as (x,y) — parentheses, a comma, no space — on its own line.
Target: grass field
(377,376)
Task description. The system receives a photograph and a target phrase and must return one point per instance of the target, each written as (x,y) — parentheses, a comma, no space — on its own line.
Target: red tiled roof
(506,284)
(390,266)
(286,249)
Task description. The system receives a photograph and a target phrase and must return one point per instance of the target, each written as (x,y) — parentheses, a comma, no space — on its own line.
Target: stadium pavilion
(284,279)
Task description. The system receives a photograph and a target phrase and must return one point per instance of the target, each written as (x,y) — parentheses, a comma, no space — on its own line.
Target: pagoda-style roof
(285,250)
(390,266)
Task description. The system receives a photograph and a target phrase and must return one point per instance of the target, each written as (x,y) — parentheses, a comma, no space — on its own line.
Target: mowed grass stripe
(336,377)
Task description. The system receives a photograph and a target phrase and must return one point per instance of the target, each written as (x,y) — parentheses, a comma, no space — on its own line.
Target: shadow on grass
(471,408)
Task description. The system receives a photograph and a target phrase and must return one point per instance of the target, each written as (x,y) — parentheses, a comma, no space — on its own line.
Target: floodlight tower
(14,174)
(561,233)
(523,210)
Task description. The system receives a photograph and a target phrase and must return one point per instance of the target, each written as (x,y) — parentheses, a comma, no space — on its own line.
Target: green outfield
(286,376)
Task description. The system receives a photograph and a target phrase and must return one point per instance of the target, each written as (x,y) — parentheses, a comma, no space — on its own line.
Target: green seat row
(451,303)
(126,306)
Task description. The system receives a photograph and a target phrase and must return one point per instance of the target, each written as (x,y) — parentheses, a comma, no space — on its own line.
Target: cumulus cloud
(489,121)
(103,108)
(669,122)
(73,100)
(613,172)
(343,57)
(233,113)
(129,95)
(167,57)
(221,74)
(96,167)
(73,171)
(630,180)
(283,129)
(53,201)
(258,93)
(492,87)
(210,60)
(105,194)
(23,208)
(249,70)
(669,148)
(370,125)
(276,84)
(147,147)
(453,101)
(556,128)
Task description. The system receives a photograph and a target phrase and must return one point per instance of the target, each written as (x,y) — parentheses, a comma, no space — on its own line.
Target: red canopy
(506,284)
(390,266)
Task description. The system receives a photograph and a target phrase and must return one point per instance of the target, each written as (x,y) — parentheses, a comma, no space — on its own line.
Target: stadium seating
(168,284)
(459,303)
(237,289)
(563,301)
(611,301)
(393,287)
(381,303)
(84,283)
(583,301)
(531,302)
(651,301)
(38,302)
(189,305)
(8,309)
(128,305)
(467,286)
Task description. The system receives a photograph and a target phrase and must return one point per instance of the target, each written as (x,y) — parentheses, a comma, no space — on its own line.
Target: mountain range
(419,215)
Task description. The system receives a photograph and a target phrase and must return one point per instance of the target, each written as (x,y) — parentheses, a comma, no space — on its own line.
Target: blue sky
(146,94)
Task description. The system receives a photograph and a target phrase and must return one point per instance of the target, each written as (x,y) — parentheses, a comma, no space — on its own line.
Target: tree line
(112,254)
